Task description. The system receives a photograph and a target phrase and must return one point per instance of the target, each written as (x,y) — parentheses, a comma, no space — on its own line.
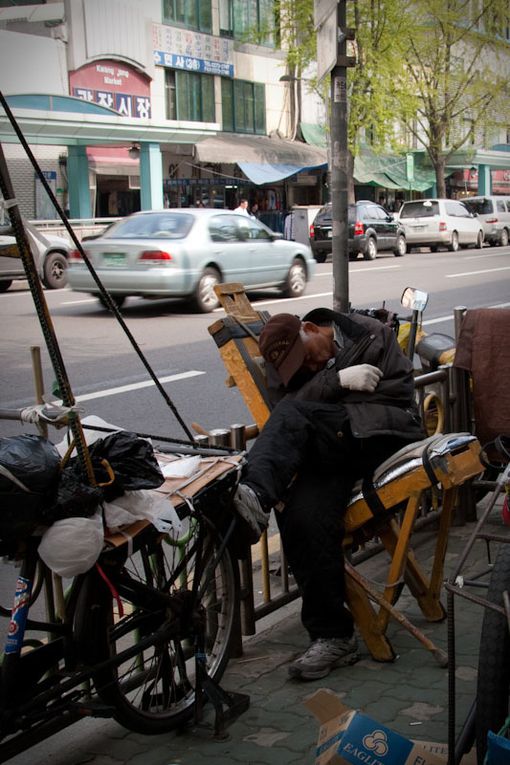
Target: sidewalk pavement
(408,695)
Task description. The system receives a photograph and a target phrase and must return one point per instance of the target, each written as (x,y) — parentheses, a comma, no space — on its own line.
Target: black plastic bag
(75,498)
(132,461)
(35,463)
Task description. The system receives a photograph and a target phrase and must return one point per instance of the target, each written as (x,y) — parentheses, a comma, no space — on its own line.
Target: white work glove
(363,377)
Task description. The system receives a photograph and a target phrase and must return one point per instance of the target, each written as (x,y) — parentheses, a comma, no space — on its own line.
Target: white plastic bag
(183,468)
(139,505)
(71,546)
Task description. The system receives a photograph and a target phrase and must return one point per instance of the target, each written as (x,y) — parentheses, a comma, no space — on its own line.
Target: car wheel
(320,256)
(434,248)
(503,238)
(55,271)
(5,284)
(205,297)
(401,246)
(454,244)
(119,300)
(371,251)
(295,284)
(479,241)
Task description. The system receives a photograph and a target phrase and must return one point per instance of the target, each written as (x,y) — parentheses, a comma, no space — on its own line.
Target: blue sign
(192,64)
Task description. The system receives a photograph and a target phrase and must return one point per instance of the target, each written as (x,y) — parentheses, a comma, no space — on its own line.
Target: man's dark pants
(307,456)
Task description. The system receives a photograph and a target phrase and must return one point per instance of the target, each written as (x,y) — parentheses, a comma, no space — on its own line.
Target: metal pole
(338,172)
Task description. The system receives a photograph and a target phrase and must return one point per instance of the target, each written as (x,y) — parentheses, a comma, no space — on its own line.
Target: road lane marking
(137,386)
(475,273)
(359,270)
(485,255)
(80,302)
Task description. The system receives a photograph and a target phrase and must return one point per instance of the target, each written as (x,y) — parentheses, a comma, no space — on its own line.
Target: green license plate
(114,259)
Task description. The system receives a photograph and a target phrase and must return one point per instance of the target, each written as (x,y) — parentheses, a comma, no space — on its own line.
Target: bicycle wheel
(493,689)
(153,689)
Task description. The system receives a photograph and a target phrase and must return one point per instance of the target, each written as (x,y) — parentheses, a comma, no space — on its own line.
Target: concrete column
(151,177)
(78,182)
(484,180)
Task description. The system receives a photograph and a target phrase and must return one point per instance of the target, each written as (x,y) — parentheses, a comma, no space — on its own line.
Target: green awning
(390,171)
(371,169)
(313,134)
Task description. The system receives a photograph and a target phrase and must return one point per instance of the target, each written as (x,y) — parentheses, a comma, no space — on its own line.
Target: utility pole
(339,159)
(332,36)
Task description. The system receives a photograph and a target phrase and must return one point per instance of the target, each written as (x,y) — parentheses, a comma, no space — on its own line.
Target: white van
(494,214)
(438,223)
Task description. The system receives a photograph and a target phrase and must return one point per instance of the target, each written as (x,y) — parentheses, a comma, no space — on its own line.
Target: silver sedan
(185,253)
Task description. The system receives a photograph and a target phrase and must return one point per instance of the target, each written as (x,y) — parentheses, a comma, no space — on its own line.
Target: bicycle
(142,637)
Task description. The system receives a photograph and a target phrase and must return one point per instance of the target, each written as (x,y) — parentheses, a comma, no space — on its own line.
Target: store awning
(112,161)
(389,171)
(260,173)
(262,159)
(313,134)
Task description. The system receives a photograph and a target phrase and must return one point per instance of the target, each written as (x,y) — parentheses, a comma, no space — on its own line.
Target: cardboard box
(348,737)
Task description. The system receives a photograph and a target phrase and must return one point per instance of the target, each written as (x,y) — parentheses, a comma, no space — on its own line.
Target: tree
(455,61)
(375,92)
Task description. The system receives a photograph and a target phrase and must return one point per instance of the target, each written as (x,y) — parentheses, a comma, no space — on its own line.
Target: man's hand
(248,506)
(363,377)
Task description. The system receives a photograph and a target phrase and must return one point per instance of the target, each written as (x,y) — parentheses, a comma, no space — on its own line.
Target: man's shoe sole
(302,674)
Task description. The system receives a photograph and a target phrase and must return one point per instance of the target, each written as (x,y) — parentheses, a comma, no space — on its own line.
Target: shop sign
(177,48)
(115,85)
(173,182)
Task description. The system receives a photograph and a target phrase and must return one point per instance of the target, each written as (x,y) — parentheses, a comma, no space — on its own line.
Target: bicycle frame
(48,688)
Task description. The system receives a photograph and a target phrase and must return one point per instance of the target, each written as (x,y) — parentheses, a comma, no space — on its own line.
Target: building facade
(152,103)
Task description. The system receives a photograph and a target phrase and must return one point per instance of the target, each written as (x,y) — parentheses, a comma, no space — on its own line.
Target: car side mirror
(390,218)
(275,235)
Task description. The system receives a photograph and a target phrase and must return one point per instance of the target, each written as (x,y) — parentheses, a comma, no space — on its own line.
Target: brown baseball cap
(281,345)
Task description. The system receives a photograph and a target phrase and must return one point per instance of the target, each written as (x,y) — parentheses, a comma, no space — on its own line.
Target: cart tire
(493,689)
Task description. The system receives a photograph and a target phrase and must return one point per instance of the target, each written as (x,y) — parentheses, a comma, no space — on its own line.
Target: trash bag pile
(36,492)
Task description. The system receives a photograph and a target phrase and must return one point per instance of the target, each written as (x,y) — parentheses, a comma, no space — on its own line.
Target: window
(500,205)
(480,206)
(223,228)
(249,20)
(419,209)
(189,96)
(194,14)
(244,106)
(456,209)
(250,229)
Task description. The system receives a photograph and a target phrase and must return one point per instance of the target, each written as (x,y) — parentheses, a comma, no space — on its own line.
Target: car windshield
(152,226)
(479,206)
(419,209)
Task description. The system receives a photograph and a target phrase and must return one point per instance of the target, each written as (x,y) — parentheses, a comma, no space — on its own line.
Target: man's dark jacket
(391,408)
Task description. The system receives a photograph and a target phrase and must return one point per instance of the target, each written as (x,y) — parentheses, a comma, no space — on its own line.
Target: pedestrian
(254,210)
(242,208)
(345,396)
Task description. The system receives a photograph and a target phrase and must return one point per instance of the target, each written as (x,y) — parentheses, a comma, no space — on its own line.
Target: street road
(109,380)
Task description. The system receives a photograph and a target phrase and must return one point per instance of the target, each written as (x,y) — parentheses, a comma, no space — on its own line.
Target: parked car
(50,253)
(494,214)
(185,253)
(438,223)
(371,229)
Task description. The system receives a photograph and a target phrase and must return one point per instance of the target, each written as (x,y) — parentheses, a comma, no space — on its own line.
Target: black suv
(371,228)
